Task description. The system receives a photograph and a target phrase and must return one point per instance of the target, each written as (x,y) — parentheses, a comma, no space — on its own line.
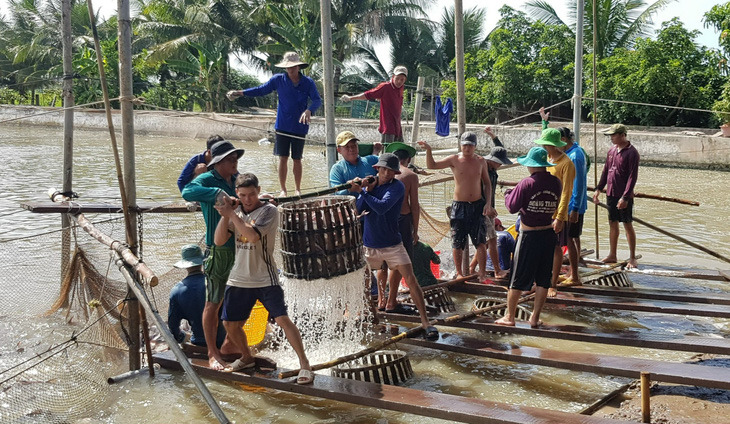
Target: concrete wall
(660,146)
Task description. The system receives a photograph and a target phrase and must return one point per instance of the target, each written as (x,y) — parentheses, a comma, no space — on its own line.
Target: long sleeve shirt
(579,198)
(187,300)
(343,171)
(565,171)
(293,100)
(204,189)
(536,198)
(383,205)
(188,170)
(620,172)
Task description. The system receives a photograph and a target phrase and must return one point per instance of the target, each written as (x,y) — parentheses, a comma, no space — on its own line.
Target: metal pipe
(417,109)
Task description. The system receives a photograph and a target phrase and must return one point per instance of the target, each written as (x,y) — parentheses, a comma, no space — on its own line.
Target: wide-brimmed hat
(499,155)
(345,137)
(394,147)
(192,256)
(291,59)
(616,129)
(535,158)
(390,161)
(400,70)
(468,138)
(222,149)
(550,137)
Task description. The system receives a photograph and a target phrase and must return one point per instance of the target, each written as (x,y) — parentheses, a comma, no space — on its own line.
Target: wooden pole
(68,127)
(433,102)
(578,72)
(645,398)
(130,182)
(595,128)
(328,82)
(460,87)
(140,294)
(413,331)
(146,336)
(417,109)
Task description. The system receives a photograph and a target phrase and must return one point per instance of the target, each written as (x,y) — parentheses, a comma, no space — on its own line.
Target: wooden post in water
(130,182)
(328,82)
(645,398)
(460,87)
(578,72)
(595,129)
(417,109)
(68,128)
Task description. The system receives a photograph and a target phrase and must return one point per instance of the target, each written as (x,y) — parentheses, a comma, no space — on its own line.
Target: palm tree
(619,22)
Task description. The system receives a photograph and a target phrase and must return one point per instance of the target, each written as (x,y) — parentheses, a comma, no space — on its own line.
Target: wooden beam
(669,372)
(653,294)
(430,404)
(90,207)
(584,334)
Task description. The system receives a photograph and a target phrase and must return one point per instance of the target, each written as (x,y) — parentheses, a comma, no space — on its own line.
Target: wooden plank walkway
(395,398)
(697,274)
(719,346)
(669,372)
(652,294)
(577,299)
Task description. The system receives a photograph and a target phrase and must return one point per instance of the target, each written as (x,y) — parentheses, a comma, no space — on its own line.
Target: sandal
(403,310)
(431,333)
(239,365)
(305,377)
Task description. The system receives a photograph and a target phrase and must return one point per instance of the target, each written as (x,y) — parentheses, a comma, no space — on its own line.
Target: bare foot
(609,260)
(217,364)
(501,275)
(536,324)
(633,263)
(552,292)
(505,321)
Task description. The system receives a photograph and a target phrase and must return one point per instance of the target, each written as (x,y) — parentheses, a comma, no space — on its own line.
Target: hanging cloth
(443,116)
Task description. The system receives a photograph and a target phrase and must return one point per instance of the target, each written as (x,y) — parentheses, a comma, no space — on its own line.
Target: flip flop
(431,333)
(239,365)
(403,310)
(305,377)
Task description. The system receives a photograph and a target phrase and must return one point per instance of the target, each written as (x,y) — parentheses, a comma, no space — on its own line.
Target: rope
(653,105)
(61,109)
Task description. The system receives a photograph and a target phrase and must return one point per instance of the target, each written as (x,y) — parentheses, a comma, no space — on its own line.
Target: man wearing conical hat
(298,100)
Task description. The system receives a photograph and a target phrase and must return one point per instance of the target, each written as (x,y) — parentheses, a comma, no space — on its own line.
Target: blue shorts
(533,259)
(289,141)
(238,302)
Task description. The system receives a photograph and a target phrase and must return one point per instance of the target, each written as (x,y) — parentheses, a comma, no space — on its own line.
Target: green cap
(616,129)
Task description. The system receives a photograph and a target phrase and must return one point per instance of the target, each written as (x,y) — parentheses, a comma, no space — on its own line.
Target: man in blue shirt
(578,203)
(198,163)
(352,165)
(293,113)
(382,199)
(208,189)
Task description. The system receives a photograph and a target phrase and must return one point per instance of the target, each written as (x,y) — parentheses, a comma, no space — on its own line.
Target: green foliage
(719,18)
(671,70)
(722,106)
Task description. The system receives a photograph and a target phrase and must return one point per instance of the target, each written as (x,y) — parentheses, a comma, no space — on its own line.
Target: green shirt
(204,189)
(423,255)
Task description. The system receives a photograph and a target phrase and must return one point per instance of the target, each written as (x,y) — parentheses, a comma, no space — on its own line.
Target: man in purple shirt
(293,113)
(536,198)
(619,178)
(380,202)
(197,164)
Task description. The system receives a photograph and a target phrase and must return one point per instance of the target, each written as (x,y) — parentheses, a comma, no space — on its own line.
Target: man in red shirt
(390,94)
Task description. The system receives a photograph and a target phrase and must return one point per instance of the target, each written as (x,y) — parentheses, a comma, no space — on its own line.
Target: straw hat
(291,59)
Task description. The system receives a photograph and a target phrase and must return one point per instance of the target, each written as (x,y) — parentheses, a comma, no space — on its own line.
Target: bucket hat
(535,158)
(616,129)
(550,137)
(192,256)
(468,138)
(499,155)
(390,161)
(345,137)
(222,149)
(394,147)
(291,59)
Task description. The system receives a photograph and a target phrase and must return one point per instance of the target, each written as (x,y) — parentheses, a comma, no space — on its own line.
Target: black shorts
(576,228)
(533,259)
(284,142)
(564,234)
(405,225)
(621,215)
(467,219)
(238,302)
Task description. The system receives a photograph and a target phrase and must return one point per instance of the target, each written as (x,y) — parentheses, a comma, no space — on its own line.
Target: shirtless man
(469,210)
(410,213)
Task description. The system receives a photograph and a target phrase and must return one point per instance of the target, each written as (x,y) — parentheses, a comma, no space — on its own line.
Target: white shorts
(393,256)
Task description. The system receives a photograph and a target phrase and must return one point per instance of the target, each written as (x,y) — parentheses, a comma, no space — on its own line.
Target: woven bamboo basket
(385,367)
(437,297)
(522,313)
(613,279)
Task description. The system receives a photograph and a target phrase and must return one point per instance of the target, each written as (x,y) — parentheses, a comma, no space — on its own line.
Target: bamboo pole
(146,335)
(578,71)
(447,283)
(640,195)
(460,86)
(417,110)
(328,81)
(140,294)
(413,331)
(68,127)
(130,258)
(595,126)
(676,237)
(309,195)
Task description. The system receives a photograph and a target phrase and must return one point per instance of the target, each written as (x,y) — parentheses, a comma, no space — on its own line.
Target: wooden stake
(146,335)
(413,331)
(645,398)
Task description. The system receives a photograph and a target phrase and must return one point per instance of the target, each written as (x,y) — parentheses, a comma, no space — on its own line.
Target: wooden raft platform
(395,398)
(652,294)
(669,372)
(576,299)
(719,346)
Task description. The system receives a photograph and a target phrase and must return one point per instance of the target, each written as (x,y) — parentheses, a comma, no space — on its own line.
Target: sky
(689,11)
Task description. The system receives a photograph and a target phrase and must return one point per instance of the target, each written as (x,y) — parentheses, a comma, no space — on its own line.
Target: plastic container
(436,268)
(255,326)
